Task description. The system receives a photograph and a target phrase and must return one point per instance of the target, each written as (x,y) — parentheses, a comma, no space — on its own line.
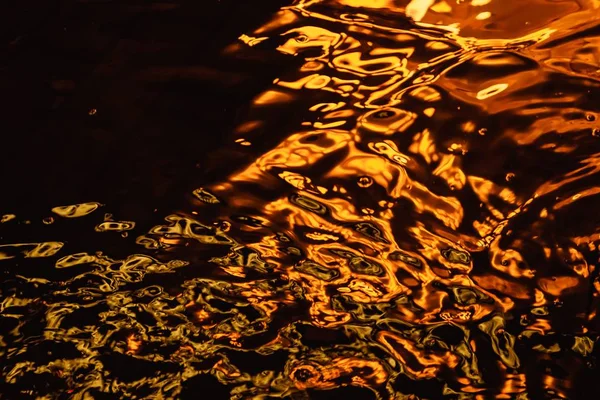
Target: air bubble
(558,303)
(383,114)
(365,181)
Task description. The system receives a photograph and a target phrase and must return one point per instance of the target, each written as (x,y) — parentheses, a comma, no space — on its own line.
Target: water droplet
(509,177)
(365,181)
(596,132)
(590,117)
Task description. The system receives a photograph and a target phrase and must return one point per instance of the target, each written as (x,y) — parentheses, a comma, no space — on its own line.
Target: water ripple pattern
(418,220)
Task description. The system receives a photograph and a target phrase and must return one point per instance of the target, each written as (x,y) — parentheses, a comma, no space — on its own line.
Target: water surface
(403,206)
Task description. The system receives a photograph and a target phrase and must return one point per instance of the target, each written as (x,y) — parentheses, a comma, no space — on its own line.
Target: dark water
(326,199)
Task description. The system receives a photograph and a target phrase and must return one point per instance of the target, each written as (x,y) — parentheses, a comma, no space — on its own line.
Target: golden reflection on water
(425,216)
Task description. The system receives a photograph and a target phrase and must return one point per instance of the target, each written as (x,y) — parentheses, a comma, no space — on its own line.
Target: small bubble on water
(365,181)
(482,131)
(92,111)
(590,117)
(509,177)
(48,220)
(558,302)
(596,132)
(301,38)
(383,114)
(222,225)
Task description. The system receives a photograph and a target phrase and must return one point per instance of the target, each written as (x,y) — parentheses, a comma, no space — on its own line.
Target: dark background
(164,95)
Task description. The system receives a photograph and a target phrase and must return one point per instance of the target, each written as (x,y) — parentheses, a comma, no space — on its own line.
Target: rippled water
(413,214)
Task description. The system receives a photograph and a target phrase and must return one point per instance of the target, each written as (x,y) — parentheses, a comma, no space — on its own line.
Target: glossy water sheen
(413,214)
